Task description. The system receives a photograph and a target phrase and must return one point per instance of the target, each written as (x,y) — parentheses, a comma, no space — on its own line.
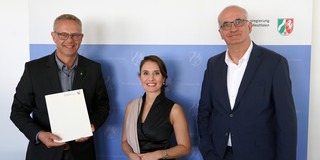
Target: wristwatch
(165,155)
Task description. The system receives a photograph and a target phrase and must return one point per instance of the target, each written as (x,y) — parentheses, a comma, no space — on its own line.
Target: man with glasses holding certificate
(63,70)
(246,110)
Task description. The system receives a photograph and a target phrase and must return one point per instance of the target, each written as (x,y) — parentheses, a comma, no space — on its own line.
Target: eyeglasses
(237,23)
(65,36)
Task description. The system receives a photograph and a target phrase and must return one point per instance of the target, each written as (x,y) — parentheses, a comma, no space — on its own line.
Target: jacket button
(231,115)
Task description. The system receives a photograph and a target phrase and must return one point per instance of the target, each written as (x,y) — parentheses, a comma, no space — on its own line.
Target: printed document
(68,115)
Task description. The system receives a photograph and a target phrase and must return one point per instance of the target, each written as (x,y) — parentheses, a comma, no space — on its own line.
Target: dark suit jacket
(41,78)
(263,121)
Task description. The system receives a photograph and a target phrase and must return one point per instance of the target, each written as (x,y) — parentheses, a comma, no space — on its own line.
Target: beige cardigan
(131,124)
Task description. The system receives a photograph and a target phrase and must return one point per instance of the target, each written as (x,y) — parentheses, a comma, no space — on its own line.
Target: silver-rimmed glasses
(65,36)
(237,23)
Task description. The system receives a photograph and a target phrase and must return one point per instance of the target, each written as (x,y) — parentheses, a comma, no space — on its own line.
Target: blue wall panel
(186,65)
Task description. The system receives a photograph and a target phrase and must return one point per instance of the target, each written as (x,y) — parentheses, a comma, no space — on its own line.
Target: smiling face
(151,78)
(236,35)
(68,47)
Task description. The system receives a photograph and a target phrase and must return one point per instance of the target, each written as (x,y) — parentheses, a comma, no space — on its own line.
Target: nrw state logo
(285,26)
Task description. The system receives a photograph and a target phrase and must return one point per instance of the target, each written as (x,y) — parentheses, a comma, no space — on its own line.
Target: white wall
(314,109)
(14,52)
(167,22)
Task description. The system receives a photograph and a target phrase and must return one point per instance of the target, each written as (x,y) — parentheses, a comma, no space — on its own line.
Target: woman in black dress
(151,119)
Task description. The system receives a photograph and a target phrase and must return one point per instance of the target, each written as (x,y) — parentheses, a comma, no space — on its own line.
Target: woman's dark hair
(162,67)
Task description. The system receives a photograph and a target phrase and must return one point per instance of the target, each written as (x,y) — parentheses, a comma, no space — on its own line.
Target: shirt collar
(62,65)
(243,59)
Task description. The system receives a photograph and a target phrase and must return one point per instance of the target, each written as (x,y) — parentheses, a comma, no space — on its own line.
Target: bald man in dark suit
(246,110)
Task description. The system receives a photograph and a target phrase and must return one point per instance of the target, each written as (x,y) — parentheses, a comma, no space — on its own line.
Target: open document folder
(68,115)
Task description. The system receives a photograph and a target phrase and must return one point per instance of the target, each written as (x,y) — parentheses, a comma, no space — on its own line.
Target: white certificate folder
(68,115)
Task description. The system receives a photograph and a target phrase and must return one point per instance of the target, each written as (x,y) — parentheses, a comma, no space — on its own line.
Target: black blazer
(41,78)
(263,121)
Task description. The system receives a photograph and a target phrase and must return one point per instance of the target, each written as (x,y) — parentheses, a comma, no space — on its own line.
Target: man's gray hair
(66,17)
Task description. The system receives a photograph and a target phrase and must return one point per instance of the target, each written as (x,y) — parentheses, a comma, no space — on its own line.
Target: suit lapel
(221,79)
(252,66)
(224,93)
(52,74)
(80,73)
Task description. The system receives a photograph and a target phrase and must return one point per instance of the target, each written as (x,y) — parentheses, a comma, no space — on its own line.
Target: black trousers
(229,154)
(67,155)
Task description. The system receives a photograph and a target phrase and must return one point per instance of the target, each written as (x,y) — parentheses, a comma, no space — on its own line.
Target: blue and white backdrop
(119,33)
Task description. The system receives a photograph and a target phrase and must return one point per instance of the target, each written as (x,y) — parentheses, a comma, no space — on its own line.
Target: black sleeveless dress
(156,131)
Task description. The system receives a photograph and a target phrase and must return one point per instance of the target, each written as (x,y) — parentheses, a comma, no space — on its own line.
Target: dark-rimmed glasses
(237,23)
(65,36)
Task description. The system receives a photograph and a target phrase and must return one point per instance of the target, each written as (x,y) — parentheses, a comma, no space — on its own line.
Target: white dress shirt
(234,76)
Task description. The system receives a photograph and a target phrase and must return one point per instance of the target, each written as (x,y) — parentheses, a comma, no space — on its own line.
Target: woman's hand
(134,156)
(151,155)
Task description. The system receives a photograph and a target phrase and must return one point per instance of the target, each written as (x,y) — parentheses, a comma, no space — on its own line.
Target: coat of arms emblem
(285,26)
